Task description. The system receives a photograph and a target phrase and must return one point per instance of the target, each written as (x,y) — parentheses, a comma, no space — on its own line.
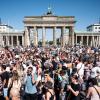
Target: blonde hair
(15,75)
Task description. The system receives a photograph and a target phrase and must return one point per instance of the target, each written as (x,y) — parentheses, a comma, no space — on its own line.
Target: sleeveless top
(52,95)
(15,90)
(95,96)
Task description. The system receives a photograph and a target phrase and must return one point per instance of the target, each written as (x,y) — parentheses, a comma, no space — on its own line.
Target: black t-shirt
(5,76)
(75,87)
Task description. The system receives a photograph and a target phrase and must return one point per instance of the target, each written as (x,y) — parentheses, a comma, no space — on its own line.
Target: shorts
(5,92)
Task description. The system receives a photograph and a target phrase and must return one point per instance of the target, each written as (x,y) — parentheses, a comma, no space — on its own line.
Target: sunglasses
(45,75)
(29,70)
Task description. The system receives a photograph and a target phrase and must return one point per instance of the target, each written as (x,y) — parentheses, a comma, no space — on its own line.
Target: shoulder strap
(97,91)
(50,92)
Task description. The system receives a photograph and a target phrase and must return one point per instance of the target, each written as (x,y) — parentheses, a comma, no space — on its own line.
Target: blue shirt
(30,88)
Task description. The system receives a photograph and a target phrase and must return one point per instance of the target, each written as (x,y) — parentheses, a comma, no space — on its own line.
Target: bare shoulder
(90,88)
(99,88)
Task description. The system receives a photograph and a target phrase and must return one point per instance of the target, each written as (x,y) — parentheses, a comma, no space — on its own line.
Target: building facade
(5,28)
(10,37)
(94,28)
(91,37)
(87,38)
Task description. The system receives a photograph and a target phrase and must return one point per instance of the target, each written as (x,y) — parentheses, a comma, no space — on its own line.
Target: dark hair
(48,85)
(93,81)
(47,71)
(74,70)
(75,77)
(6,47)
(63,72)
(3,66)
(80,59)
(30,68)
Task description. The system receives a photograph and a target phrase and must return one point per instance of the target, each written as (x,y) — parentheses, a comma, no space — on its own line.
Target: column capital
(34,27)
(43,27)
(63,27)
(54,28)
(25,27)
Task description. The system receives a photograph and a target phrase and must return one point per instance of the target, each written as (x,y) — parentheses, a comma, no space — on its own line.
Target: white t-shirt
(80,50)
(94,71)
(80,67)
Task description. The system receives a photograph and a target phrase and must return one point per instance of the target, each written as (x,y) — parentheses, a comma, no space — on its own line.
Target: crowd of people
(50,73)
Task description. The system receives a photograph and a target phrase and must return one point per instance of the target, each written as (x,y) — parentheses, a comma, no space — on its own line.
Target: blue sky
(86,12)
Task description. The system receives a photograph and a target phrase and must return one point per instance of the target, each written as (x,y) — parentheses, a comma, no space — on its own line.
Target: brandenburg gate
(49,21)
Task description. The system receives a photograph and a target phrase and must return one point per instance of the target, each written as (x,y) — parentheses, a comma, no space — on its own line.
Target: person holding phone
(73,89)
(30,85)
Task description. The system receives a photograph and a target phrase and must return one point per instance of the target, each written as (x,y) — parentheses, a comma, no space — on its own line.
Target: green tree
(50,42)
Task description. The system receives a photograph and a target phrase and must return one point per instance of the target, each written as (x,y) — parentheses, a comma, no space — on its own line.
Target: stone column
(93,43)
(35,36)
(43,36)
(27,40)
(1,40)
(12,41)
(6,40)
(54,36)
(95,40)
(17,41)
(81,40)
(76,39)
(99,41)
(71,30)
(70,37)
(62,37)
(87,40)
(23,40)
